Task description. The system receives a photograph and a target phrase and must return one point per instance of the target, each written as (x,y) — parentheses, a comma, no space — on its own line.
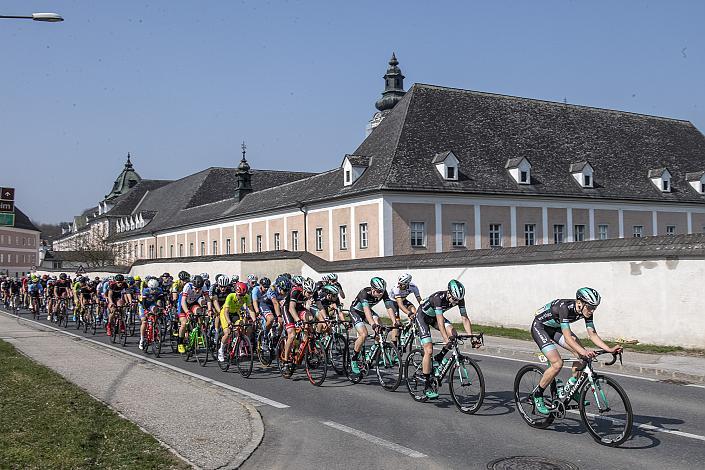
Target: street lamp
(49,17)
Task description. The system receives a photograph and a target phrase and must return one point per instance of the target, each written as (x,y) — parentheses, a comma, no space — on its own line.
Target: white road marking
(648,427)
(259,398)
(375,440)
(694,385)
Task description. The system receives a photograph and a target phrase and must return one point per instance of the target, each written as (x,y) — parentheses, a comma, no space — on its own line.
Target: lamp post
(47,17)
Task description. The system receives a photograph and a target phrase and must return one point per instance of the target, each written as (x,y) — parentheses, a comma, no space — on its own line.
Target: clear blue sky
(180,84)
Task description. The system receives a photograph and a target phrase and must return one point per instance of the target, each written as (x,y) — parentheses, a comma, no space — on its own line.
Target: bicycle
(335,344)
(238,349)
(62,316)
(152,334)
(465,380)
(266,341)
(602,394)
(307,349)
(118,326)
(131,318)
(197,345)
(383,356)
(409,337)
(16,303)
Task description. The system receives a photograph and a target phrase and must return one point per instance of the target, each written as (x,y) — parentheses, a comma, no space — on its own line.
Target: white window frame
(530,234)
(191,249)
(214,248)
(243,245)
(603,231)
(637,231)
(343,236)
(277,241)
(227,246)
(579,232)
(457,238)
(558,234)
(670,229)
(495,236)
(294,240)
(258,243)
(181,249)
(319,239)
(416,227)
(364,238)
(203,249)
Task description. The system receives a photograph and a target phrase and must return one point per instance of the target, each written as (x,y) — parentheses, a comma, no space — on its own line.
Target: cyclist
(117,296)
(263,304)
(206,282)
(34,290)
(176,288)
(327,304)
(398,294)
(218,294)
(61,289)
(151,298)
(332,279)
(251,282)
(192,297)
(431,314)
(49,295)
(295,312)
(551,325)
(361,312)
(84,295)
(235,305)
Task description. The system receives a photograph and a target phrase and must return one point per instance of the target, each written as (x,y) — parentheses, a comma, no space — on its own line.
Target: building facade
(19,246)
(441,169)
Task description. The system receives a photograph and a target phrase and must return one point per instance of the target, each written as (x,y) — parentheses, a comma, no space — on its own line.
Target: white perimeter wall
(654,301)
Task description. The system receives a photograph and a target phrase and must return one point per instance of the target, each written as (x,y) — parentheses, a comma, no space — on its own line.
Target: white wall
(653,301)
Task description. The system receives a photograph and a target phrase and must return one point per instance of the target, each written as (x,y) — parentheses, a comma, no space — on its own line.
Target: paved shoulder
(206,425)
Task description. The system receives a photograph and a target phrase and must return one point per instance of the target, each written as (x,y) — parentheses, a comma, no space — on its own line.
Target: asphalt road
(341,425)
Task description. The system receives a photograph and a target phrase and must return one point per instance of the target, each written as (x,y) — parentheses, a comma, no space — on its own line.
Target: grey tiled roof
(514,162)
(695,176)
(440,157)
(655,173)
(22,221)
(358,160)
(576,167)
(126,204)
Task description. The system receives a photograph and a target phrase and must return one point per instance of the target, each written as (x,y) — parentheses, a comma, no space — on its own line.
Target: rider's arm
(441,322)
(595,338)
(464,317)
(250,308)
(368,313)
(572,343)
(292,311)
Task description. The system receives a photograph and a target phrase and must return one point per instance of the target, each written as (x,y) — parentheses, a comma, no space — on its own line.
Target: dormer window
(447,165)
(661,178)
(353,167)
(520,169)
(696,181)
(583,173)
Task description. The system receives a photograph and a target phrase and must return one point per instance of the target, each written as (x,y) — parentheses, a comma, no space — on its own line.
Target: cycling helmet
(456,289)
(119,277)
(222,280)
(166,275)
(282,284)
(197,282)
(152,283)
(332,277)
(251,278)
(588,295)
(405,279)
(234,279)
(205,276)
(137,279)
(309,285)
(82,280)
(331,290)
(130,279)
(184,276)
(241,288)
(325,278)
(378,283)
(62,276)
(45,277)
(297,280)
(34,278)
(265,282)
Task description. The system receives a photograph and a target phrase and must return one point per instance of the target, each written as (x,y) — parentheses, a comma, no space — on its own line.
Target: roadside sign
(7,219)
(7,194)
(80,270)
(7,206)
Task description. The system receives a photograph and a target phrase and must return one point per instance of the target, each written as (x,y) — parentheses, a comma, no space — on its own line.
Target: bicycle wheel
(606,411)
(338,353)
(227,354)
(244,355)
(131,322)
(525,382)
(173,332)
(265,352)
(157,341)
(114,326)
(123,332)
(388,365)
(413,372)
(94,321)
(280,353)
(467,385)
(200,347)
(316,362)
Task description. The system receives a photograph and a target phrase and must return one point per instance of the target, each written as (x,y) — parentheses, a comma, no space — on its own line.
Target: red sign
(7,194)
(7,206)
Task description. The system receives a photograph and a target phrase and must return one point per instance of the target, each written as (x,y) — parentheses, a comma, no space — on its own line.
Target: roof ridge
(558,103)
(411,95)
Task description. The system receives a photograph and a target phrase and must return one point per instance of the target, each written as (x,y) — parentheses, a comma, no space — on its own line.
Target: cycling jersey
(34,289)
(62,285)
(552,322)
(116,290)
(177,286)
(397,292)
(191,294)
(438,303)
(365,298)
(86,291)
(220,293)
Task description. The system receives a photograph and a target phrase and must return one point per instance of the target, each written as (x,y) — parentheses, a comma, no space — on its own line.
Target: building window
(151,251)
(227,246)
(665,184)
(161,252)
(602,232)
(242,245)
(450,172)
(181,249)
(579,233)
(558,233)
(670,229)
(190,249)
(523,176)
(458,234)
(215,247)
(343,231)
(171,251)
(295,240)
(363,236)
(529,234)
(203,249)
(495,235)
(347,176)
(418,234)
(277,244)
(638,231)
(319,239)
(587,181)
(258,243)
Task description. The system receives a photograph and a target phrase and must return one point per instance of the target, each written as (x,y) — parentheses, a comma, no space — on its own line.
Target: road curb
(255,441)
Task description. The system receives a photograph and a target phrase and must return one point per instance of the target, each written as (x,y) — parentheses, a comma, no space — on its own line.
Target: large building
(441,169)
(19,246)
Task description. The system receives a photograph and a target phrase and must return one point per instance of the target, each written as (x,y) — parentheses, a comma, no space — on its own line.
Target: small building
(19,246)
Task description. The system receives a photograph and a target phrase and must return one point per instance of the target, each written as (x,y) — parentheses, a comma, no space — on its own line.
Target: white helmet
(222,280)
(204,276)
(308,285)
(152,283)
(405,279)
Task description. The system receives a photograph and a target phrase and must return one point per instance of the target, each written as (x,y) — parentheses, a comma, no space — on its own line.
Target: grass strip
(48,422)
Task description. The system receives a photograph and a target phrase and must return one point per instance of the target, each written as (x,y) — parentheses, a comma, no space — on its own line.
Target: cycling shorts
(423,322)
(192,308)
(226,319)
(546,337)
(395,306)
(288,319)
(358,318)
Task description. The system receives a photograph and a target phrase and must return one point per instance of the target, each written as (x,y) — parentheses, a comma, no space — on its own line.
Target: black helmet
(184,276)
(166,275)
(119,277)
(197,282)
(265,282)
(62,276)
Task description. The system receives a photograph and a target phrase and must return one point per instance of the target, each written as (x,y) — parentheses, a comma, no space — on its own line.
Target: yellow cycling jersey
(177,286)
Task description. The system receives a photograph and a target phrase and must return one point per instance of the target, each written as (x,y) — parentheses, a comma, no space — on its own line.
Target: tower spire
(392,94)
